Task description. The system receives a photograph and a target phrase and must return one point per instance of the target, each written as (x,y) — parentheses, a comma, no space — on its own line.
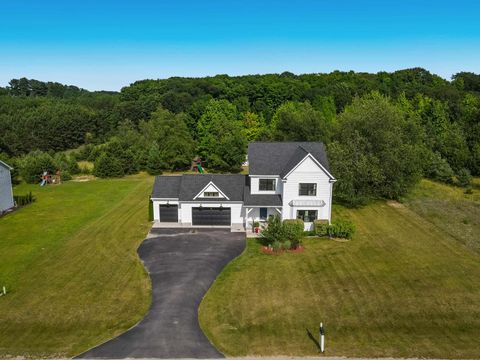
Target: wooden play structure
(46,178)
(197,165)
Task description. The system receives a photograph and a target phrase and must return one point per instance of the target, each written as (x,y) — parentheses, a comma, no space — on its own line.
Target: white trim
(331,201)
(6,165)
(265,176)
(162,199)
(263,206)
(316,161)
(214,200)
(216,187)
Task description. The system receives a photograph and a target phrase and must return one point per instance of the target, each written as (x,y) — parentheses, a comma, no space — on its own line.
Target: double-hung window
(307,215)
(266,185)
(307,189)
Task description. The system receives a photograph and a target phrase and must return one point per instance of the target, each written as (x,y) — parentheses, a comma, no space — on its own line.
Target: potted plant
(256,227)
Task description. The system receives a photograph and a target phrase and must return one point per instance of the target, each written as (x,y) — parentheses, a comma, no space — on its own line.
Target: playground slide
(200,169)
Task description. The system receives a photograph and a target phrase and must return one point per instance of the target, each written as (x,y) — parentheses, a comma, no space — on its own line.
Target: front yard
(402,287)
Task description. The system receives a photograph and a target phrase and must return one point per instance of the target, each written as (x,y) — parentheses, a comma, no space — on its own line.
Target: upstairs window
(266,185)
(307,189)
(210,194)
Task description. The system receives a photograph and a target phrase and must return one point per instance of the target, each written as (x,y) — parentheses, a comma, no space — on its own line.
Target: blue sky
(109,44)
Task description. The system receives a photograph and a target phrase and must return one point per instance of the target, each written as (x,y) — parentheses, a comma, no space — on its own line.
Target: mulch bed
(269,251)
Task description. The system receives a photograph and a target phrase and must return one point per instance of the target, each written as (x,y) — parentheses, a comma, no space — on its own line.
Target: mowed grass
(70,266)
(402,287)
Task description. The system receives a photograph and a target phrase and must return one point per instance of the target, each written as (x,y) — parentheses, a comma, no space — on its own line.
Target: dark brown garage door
(168,213)
(211,216)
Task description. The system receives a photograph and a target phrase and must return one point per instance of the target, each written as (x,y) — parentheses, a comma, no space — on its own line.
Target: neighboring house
(288,179)
(6,193)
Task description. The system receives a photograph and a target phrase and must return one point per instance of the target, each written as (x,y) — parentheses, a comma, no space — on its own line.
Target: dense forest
(383,131)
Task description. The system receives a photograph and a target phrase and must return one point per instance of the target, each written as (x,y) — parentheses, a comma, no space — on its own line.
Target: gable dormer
(211,191)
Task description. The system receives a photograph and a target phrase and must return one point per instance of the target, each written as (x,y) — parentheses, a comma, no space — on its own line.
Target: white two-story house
(288,179)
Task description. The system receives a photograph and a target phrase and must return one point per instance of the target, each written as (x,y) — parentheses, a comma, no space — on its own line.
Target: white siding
(211,188)
(185,212)
(6,194)
(254,185)
(254,215)
(307,172)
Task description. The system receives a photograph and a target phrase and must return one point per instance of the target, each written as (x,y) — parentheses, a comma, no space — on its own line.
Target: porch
(259,214)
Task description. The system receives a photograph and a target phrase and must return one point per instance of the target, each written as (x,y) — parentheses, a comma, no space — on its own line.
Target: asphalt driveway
(182,264)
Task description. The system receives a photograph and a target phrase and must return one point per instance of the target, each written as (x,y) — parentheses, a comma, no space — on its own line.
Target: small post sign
(322,338)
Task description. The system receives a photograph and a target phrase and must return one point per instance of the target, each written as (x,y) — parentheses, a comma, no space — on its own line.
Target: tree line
(383,131)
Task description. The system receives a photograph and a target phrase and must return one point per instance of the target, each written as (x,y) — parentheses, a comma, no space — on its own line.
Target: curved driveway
(182,265)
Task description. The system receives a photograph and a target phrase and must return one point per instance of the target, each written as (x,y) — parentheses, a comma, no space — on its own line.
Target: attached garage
(169,213)
(217,216)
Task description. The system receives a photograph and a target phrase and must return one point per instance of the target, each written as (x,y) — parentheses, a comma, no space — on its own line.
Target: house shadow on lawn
(315,341)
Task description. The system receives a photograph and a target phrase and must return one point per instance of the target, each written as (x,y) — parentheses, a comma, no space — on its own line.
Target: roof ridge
(6,165)
(301,147)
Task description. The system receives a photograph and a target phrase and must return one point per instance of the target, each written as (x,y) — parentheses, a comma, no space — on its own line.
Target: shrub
(273,232)
(287,245)
(437,168)
(464,178)
(22,200)
(341,229)
(108,166)
(277,246)
(85,170)
(150,210)
(72,166)
(66,176)
(34,164)
(293,232)
(321,227)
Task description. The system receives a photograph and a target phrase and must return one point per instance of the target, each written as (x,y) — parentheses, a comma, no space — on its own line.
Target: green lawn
(70,265)
(450,209)
(402,287)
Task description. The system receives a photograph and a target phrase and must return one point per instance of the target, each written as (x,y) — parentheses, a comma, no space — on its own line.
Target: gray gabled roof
(186,187)
(262,200)
(231,185)
(166,187)
(6,165)
(279,158)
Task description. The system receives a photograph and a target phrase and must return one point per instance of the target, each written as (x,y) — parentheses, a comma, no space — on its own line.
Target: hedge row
(22,200)
(339,228)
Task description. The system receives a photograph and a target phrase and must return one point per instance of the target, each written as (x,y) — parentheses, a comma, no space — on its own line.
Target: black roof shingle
(231,185)
(278,158)
(166,187)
